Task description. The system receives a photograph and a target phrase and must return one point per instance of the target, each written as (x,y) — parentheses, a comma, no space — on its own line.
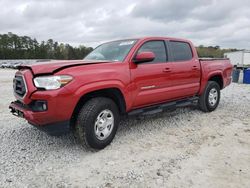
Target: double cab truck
(125,77)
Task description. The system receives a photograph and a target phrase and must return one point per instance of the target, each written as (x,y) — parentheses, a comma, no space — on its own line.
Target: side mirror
(144,57)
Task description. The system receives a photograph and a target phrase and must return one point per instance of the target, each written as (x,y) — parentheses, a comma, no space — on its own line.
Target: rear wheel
(97,123)
(210,98)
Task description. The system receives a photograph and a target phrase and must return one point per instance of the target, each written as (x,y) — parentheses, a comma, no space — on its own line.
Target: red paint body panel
(140,84)
(209,69)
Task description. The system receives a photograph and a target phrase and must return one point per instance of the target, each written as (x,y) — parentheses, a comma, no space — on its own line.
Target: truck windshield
(111,51)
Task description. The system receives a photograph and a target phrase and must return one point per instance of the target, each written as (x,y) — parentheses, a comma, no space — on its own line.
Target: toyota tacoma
(125,77)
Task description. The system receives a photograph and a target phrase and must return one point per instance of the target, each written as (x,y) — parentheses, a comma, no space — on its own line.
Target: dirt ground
(183,148)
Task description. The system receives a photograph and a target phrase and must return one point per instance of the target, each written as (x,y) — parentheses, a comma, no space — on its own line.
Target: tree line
(213,51)
(13,46)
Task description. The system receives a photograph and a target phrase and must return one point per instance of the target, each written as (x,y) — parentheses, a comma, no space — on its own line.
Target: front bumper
(39,119)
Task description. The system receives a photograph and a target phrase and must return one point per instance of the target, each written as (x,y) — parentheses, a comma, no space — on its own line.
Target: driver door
(151,79)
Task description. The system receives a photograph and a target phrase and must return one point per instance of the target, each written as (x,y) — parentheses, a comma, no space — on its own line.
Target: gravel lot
(184,148)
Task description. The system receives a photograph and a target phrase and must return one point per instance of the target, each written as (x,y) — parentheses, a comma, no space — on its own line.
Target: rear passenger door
(185,70)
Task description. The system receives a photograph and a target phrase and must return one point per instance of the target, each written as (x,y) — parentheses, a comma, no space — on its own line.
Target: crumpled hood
(51,67)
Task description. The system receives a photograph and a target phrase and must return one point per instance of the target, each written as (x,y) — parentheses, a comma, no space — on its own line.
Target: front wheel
(97,123)
(210,98)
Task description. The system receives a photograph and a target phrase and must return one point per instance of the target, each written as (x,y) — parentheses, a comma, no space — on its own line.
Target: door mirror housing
(143,57)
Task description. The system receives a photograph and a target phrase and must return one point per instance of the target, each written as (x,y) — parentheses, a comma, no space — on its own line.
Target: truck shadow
(173,118)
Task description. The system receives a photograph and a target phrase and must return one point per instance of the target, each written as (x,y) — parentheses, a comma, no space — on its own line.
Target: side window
(157,47)
(181,51)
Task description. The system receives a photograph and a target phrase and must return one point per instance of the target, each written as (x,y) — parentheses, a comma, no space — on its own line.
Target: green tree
(13,46)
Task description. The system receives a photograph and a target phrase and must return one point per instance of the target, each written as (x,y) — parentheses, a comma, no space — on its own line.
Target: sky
(90,22)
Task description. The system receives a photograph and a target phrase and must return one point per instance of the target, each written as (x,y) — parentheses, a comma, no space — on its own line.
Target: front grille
(19,86)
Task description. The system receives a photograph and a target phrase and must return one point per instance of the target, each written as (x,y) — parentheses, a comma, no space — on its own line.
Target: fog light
(44,106)
(39,106)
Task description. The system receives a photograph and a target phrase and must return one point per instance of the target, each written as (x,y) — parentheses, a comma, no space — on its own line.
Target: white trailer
(239,58)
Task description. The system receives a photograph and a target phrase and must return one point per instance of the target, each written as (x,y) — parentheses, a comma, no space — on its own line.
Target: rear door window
(181,51)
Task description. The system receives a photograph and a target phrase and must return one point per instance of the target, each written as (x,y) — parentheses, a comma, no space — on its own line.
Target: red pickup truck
(125,77)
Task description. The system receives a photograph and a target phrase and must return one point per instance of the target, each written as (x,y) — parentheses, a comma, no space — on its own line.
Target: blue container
(246,77)
(236,75)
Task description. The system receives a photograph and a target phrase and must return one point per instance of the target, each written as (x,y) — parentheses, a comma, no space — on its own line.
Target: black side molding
(165,106)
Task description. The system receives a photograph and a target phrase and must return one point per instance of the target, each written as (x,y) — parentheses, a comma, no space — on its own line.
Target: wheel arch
(113,93)
(212,76)
(218,79)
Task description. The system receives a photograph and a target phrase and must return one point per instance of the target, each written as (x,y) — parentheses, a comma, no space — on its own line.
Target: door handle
(195,68)
(166,70)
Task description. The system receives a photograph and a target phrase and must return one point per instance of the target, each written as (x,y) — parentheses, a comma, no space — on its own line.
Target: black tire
(204,103)
(85,124)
